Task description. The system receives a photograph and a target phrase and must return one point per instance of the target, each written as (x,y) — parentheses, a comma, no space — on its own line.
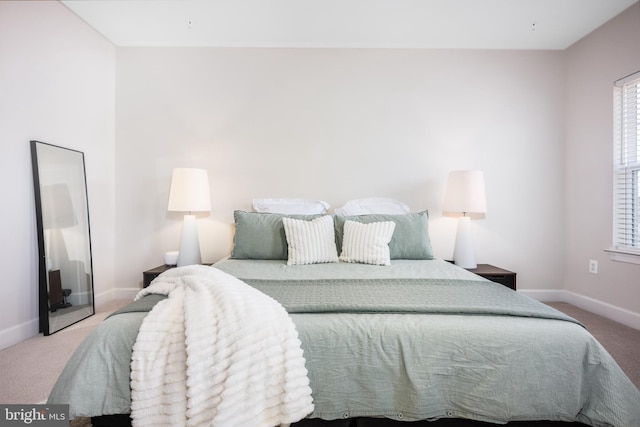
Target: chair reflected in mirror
(57,214)
(57,295)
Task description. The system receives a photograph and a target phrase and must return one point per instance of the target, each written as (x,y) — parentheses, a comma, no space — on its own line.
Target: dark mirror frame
(54,206)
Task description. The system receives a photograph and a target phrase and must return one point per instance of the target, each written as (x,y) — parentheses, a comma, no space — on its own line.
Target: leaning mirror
(64,241)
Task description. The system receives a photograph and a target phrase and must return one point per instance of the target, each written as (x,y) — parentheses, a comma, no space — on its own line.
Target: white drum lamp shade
(465,194)
(189,193)
(57,213)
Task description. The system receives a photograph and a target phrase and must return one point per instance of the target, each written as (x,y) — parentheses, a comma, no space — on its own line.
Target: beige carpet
(622,342)
(29,369)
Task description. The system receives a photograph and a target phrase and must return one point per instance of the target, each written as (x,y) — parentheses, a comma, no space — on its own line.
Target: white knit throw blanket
(216,352)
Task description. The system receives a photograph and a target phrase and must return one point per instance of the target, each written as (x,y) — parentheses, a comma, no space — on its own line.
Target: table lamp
(465,195)
(57,213)
(189,193)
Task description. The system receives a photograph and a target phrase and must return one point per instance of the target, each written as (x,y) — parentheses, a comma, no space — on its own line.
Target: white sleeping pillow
(310,242)
(373,205)
(290,206)
(367,243)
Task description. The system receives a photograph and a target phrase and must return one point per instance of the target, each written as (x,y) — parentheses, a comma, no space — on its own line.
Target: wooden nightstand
(149,275)
(496,274)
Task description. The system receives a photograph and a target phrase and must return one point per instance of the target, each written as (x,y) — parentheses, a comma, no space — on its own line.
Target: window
(626,231)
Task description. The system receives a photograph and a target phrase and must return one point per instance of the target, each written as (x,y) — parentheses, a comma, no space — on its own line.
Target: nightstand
(149,275)
(496,274)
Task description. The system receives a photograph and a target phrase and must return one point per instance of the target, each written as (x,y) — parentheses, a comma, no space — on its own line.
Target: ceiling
(436,24)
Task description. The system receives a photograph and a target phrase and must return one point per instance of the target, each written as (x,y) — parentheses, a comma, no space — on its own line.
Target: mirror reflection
(66,278)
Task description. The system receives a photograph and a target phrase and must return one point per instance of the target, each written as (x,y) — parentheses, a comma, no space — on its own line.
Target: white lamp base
(463,255)
(189,245)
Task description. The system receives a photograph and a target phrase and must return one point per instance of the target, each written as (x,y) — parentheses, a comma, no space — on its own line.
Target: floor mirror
(64,240)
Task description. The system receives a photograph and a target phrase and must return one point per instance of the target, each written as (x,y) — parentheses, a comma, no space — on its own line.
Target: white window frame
(626,170)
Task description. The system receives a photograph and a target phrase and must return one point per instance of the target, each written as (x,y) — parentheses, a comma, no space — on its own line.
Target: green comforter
(401,343)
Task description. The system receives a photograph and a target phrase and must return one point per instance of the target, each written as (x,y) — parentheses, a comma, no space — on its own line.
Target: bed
(412,339)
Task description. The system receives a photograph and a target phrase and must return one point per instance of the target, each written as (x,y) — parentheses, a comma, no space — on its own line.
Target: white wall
(57,85)
(320,123)
(339,124)
(593,64)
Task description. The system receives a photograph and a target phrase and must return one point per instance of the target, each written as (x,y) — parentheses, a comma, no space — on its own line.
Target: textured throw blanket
(216,352)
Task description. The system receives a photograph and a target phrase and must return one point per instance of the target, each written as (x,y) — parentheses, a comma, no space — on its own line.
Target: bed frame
(125,421)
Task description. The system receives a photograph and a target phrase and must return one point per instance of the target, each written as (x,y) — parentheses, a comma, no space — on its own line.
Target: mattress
(411,341)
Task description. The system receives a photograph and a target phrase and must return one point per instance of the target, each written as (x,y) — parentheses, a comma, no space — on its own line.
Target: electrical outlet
(593,266)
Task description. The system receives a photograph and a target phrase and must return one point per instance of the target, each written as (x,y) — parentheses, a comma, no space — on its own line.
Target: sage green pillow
(410,238)
(261,235)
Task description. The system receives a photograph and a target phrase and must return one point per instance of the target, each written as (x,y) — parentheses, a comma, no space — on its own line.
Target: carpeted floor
(621,341)
(29,369)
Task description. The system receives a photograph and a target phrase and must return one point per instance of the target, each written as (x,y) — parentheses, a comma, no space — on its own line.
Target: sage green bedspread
(416,340)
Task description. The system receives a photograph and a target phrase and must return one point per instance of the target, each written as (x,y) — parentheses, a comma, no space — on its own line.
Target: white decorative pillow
(367,243)
(373,205)
(290,206)
(310,242)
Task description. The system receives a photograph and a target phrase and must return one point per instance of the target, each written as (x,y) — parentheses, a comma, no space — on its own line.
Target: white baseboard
(610,311)
(618,314)
(125,293)
(30,328)
(544,295)
(18,333)
(115,294)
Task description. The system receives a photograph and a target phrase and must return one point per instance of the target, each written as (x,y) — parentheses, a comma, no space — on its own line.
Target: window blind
(626,233)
